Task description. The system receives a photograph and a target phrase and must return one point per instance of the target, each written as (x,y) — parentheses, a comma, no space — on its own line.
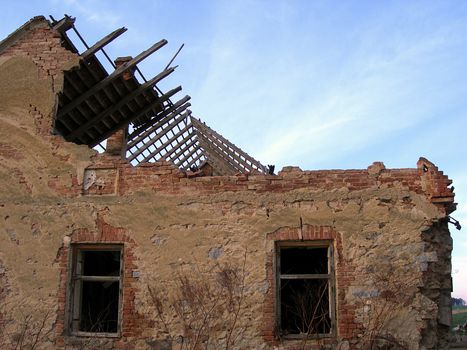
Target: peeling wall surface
(388,229)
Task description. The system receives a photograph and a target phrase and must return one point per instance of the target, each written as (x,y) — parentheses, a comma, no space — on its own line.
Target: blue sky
(318,84)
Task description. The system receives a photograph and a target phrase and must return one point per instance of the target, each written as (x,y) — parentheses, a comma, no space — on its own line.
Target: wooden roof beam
(126,121)
(231,148)
(107,80)
(227,154)
(147,127)
(165,128)
(150,107)
(214,152)
(194,159)
(169,141)
(177,152)
(101,43)
(218,163)
(180,160)
(115,107)
(64,24)
(164,119)
(164,131)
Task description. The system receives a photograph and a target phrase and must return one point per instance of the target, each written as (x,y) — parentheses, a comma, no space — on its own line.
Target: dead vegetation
(393,293)
(201,310)
(20,330)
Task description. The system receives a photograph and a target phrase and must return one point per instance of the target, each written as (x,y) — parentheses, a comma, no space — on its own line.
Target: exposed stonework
(388,227)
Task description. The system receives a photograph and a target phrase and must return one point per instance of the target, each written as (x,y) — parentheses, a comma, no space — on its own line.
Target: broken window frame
(75,285)
(329,277)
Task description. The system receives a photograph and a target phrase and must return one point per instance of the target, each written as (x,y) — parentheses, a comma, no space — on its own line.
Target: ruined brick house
(333,258)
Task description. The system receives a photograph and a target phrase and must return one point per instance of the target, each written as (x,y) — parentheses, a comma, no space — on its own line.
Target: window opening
(96,289)
(305,302)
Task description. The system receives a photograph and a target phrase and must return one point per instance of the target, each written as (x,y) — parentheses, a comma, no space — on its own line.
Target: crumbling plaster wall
(380,233)
(382,223)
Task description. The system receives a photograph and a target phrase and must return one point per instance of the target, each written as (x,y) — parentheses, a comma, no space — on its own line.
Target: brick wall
(43,45)
(164,177)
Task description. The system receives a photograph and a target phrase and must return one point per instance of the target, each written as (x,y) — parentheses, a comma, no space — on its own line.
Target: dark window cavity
(305,287)
(95,289)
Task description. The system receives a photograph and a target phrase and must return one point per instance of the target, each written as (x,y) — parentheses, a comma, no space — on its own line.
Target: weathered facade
(94,249)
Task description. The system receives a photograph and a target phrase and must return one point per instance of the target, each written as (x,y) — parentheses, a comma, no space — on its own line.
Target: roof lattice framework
(95,104)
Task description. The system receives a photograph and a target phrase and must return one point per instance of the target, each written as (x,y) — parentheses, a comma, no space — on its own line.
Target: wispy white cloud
(371,93)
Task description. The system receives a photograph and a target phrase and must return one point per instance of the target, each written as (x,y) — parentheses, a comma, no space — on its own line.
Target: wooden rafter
(95,104)
(147,109)
(101,43)
(117,73)
(231,153)
(177,154)
(163,128)
(163,117)
(168,142)
(115,107)
(176,108)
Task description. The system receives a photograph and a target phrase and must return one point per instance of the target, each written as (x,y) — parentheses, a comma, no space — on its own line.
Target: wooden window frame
(330,277)
(74,288)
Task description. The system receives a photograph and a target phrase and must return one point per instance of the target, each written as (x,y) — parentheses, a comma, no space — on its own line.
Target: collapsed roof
(94,105)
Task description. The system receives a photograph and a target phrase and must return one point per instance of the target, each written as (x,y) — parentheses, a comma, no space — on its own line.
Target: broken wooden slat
(185,145)
(227,156)
(104,41)
(164,119)
(164,130)
(214,154)
(141,129)
(116,73)
(64,24)
(169,141)
(113,108)
(177,152)
(150,107)
(193,161)
(126,121)
(228,146)
(219,164)
(188,155)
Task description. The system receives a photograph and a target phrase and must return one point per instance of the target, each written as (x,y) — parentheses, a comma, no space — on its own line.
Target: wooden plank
(64,24)
(86,69)
(234,150)
(306,276)
(115,107)
(153,140)
(194,159)
(226,152)
(150,107)
(218,164)
(81,108)
(104,41)
(98,278)
(115,74)
(155,125)
(221,164)
(176,108)
(169,141)
(126,121)
(182,148)
(228,158)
